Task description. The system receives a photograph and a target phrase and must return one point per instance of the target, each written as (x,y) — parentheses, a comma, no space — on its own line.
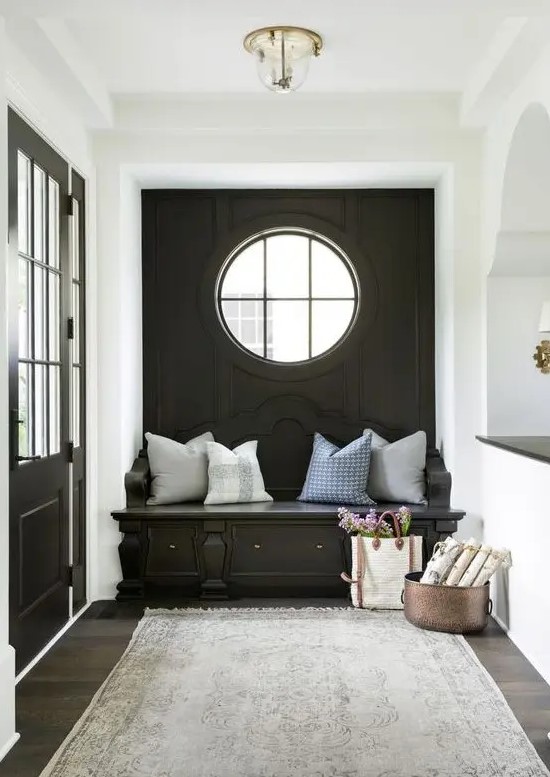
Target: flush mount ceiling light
(282,55)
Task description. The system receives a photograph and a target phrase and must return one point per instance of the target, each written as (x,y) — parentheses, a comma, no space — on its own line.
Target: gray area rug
(295,693)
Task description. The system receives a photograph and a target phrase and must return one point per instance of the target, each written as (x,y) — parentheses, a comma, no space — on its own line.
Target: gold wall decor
(542,356)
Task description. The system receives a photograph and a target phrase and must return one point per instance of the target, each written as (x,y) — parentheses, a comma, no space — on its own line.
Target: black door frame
(79,552)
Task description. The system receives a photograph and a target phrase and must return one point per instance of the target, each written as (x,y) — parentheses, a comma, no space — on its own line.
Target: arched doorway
(518,283)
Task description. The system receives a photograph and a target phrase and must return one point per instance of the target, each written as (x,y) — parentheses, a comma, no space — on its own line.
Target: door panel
(39,389)
(39,529)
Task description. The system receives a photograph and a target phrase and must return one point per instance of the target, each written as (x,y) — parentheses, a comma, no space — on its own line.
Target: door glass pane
(53,223)
(329,275)
(329,321)
(288,331)
(55,417)
(245,277)
(23,202)
(75,242)
(76,317)
(54,316)
(287,266)
(39,213)
(245,320)
(40,312)
(40,410)
(24,307)
(25,411)
(76,406)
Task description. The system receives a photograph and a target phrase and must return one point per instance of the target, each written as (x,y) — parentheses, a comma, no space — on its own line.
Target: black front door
(39,377)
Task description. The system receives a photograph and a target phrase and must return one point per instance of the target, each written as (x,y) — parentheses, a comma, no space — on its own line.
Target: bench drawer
(172,551)
(286,549)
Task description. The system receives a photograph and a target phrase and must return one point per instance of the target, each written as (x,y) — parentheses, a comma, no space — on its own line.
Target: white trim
(8,746)
(502,625)
(50,644)
(32,123)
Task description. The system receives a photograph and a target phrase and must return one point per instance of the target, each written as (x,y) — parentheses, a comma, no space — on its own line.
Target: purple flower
(369,525)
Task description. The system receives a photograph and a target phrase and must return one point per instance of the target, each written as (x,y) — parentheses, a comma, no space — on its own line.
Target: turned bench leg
(213,586)
(130,552)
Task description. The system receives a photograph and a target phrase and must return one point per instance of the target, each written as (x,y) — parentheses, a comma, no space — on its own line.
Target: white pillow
(179,472)
(234,476)
(397,469)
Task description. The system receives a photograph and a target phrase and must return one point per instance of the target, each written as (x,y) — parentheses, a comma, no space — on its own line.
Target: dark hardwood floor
(51,698)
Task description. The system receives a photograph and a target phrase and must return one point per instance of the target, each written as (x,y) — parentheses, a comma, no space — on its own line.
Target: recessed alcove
(518,283)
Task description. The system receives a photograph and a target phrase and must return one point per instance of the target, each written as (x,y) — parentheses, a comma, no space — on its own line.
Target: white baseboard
(500,622)
(8,736)
(50,644)
(8,746)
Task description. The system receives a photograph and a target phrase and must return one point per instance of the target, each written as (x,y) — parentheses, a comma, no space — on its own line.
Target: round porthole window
(288,295)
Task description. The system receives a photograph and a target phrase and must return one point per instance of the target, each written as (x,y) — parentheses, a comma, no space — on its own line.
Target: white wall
(119,404)
(515,517)
(515,265)
(518,394)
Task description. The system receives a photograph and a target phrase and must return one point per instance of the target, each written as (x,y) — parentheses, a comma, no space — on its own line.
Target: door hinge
(70,575)
(70,205)
(70,328)
(70,452)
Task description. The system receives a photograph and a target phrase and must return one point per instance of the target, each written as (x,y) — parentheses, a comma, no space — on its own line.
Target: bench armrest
(438,480)
(136,482)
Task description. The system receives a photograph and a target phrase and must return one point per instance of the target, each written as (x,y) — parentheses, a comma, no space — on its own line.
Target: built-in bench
(280,548)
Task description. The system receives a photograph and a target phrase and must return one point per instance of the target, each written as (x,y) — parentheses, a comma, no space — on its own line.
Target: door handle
(15,457)
(14,437)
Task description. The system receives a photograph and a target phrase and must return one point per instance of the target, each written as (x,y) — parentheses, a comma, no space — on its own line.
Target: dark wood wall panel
(327,392)
(195,378)
(245,207)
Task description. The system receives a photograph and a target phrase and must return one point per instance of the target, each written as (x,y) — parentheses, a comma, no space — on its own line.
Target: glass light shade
(282,56)
(544,324)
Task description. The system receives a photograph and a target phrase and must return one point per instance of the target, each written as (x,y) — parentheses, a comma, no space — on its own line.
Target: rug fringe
(245,609)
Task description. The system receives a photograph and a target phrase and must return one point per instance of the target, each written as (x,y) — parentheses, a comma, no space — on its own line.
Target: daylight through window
(288,296)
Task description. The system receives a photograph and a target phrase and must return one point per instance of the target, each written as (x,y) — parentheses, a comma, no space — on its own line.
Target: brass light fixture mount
(282,54)
(542,357)
(255,35)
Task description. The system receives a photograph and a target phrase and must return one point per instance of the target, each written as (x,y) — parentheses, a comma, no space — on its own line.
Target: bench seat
(281,548)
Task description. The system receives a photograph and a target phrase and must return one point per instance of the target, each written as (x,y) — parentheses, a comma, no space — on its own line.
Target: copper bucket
(446,607)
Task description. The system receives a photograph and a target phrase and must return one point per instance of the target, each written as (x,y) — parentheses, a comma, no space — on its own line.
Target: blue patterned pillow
(338,475)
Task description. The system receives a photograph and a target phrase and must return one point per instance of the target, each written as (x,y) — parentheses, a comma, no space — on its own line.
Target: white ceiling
(364,51)
(98,53)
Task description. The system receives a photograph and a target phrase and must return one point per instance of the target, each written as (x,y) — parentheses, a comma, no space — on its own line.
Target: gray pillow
(397,469)
(179,472)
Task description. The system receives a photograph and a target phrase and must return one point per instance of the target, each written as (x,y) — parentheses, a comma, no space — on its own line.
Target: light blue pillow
(338,475)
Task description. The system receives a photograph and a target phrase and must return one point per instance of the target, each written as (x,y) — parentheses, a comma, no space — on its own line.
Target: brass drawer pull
(257,547)
(172,547)
(319,546)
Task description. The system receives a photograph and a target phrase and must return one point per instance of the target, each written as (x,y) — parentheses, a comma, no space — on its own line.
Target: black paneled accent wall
(196,378)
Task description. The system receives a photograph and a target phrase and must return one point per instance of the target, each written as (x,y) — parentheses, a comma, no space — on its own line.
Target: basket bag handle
(399,541)
(376,543)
